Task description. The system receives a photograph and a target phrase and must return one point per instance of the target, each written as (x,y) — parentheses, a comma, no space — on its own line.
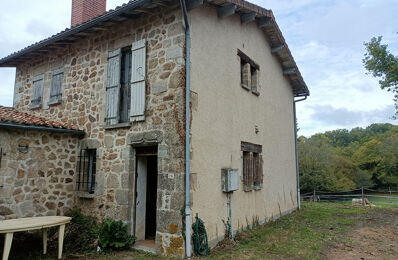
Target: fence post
(314,198)
(363,198)
(389,189)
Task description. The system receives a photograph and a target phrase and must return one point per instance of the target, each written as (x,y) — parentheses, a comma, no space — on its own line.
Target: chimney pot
(84,10)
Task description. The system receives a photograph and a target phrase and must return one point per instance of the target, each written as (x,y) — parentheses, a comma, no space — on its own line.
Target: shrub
(113,235)
(80,233)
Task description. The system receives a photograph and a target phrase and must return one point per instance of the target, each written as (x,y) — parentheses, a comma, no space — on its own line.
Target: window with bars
(252,166)
(56,86)
(37,95)
(87,170)
(249,73)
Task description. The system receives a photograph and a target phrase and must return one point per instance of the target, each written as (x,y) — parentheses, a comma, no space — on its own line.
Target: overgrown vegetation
(113,235)
(81,233)
(343,160)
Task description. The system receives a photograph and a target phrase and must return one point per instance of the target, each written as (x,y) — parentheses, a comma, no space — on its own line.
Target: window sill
(255,92)
(257,188)
(85,195)
(53,103)
(245,87)
(120,125)
(35,106)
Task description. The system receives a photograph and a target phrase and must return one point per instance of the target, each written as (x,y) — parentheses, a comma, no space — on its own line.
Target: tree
(382,64)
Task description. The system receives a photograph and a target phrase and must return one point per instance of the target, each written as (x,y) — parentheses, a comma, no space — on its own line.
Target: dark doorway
(146,193)
(151,194)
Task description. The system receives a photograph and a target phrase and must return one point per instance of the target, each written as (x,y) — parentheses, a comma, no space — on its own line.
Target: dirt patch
(225,244)
(374,237)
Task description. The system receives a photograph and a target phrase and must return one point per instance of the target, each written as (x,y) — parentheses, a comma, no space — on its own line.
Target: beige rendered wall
(224,114)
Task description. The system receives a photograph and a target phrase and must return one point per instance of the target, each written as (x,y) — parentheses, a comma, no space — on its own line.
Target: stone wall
(84,104)
(38,171)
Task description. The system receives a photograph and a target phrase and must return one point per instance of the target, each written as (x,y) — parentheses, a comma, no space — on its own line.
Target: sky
(326,39)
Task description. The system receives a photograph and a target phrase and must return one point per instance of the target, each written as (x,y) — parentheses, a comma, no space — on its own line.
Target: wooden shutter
(254,79)
(261,173)
(257,171)
(245,75)
(138,75)
(56,86)
(247,172)
(37,91)
(113,88)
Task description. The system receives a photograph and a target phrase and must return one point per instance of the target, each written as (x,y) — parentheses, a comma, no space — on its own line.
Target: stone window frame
(249,73)
(252,166)
(87,169)
(123,123)
(56,98)
(137,97)
(89,143)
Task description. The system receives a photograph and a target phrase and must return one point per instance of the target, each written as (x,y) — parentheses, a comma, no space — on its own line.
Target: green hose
(199,238)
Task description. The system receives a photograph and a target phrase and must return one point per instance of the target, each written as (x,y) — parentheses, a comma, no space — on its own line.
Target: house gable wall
(224,114)
(84,104)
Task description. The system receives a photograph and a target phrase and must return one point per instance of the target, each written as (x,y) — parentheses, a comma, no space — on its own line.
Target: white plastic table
(8,227)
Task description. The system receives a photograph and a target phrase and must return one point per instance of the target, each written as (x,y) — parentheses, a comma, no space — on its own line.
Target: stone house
(108,119)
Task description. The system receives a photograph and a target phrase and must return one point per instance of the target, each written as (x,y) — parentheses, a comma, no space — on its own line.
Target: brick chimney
(84,10)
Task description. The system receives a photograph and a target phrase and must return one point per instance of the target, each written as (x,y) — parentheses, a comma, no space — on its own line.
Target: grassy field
(302,234)
(319,231)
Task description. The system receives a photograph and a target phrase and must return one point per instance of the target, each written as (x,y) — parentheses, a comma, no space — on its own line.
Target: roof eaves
(41,128)
(78,28)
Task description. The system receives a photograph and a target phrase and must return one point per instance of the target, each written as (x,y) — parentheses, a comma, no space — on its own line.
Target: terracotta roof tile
(10,115)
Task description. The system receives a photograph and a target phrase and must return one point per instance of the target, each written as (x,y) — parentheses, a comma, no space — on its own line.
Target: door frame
(153,151)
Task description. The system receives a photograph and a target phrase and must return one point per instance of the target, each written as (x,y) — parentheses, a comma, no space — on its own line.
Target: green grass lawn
(305,234)
(301,234)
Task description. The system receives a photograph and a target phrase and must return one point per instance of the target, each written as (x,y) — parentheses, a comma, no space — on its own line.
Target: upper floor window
(56,86)
(37,95)
(125,91)
(249,73)
(126,84)
(252,166)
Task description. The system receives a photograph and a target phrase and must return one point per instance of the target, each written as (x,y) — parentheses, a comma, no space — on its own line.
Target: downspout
(187,130)
(296,148)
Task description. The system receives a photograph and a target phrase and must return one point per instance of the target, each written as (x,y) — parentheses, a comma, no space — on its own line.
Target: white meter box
(229,180)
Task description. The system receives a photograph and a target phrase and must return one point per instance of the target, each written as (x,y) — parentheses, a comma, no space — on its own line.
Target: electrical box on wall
(229,180)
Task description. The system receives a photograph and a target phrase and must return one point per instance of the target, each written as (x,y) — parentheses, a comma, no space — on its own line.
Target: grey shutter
(56,86)
(138,73)
(37,91)
(113,88)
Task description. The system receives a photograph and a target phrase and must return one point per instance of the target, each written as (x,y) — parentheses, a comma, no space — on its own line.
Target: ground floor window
(252,166)
(87,170)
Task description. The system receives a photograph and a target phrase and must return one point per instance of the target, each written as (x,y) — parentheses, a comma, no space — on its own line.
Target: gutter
(79,133)
(296,148)
(187,130)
